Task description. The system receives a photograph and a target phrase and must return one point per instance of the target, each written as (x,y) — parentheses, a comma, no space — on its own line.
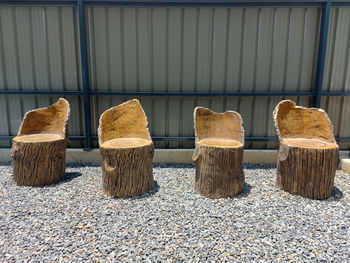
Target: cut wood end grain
(222,143)
(126,143)
(41,137)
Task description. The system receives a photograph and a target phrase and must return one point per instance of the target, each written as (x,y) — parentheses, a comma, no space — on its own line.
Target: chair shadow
(246,191)
(153,191)
(337,195)
(69,177)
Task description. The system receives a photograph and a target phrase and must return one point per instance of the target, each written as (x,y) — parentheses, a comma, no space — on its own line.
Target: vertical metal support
(85,73)
(321,56)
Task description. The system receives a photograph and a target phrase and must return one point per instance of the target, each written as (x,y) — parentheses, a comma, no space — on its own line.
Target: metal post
(321,56)
(85,73)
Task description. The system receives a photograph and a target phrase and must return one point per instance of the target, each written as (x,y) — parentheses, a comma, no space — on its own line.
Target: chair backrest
(293,121)
(52,119)
(209,124)
(127,120)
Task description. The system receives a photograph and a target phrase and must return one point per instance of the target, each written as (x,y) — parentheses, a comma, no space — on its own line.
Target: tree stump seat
(219,153)
(126,143)
(309,143)
(221,143)
(308,155)
(42,137)
(39,149)
(126,151)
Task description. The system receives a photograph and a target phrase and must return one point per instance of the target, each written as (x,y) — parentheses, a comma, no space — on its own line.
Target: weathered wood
(308,154)
(126,151)
(219,153)
(39,150)
(127,171)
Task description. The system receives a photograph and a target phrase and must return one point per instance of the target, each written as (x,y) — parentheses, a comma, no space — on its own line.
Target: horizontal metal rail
(41,92)
(179,3)
(317,93)
(174,94)
(183,139)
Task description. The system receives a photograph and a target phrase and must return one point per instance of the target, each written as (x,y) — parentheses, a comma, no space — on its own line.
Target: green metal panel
(175,49)
(202,49)
(337,71)
(39,50)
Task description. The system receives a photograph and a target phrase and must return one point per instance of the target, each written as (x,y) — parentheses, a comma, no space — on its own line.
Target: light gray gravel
(74,221)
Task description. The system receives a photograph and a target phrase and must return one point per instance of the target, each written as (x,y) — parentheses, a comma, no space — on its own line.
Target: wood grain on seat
(219,153)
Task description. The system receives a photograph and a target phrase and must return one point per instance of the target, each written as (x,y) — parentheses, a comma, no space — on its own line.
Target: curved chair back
(212,125)
(52,120)
(293,121)
(127,120)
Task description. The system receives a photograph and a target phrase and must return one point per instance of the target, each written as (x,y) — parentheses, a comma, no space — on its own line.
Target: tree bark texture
(38,163)
(308,154)
(307,172)
(127,171)
(39,149)
(219,171)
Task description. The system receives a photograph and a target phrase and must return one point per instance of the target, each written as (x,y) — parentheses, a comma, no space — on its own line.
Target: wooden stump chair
(126,150)
(219,153)
(308,153)
(39,149)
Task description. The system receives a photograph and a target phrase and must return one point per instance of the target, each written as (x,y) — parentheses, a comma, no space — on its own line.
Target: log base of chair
(307,167)
(127,167)
(219,170)
(38,159)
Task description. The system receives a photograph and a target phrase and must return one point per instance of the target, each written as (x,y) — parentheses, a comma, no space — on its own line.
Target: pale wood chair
(126,150)
(308,153)
(219,153)
(39,149)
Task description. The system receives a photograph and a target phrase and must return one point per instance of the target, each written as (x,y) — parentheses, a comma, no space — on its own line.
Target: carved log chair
(126,150)
(218,153)
(39,149)
(308,153)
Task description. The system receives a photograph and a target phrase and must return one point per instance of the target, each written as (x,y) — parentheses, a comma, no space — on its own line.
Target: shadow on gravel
(69,177)
(246,190)
(337,194)
(146,195)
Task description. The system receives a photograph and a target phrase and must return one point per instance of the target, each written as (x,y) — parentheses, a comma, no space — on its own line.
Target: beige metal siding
(172,49)
(202,49)
(337,72)
(38,51)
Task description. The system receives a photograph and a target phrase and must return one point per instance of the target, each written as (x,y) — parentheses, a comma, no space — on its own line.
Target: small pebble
(73,221)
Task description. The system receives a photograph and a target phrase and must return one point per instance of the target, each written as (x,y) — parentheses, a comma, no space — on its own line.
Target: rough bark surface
(219,171)
(39,149)
(38,163)
(127,171)
(126,149)
(308,154)
(219,153)
(307,172)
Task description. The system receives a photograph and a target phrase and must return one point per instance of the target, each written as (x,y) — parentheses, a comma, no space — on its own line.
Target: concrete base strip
(345,165)
(170,156)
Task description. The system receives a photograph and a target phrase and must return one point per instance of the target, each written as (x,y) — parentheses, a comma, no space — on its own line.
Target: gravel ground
(74,221)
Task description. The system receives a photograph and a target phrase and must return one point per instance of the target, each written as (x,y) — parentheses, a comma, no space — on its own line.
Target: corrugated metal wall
(160,49)
(337,72)
(39,50)
(202,49)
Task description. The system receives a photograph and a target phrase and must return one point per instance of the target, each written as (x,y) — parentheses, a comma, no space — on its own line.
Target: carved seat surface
(219,153)
(308,152)
(126,150)
(39,149)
